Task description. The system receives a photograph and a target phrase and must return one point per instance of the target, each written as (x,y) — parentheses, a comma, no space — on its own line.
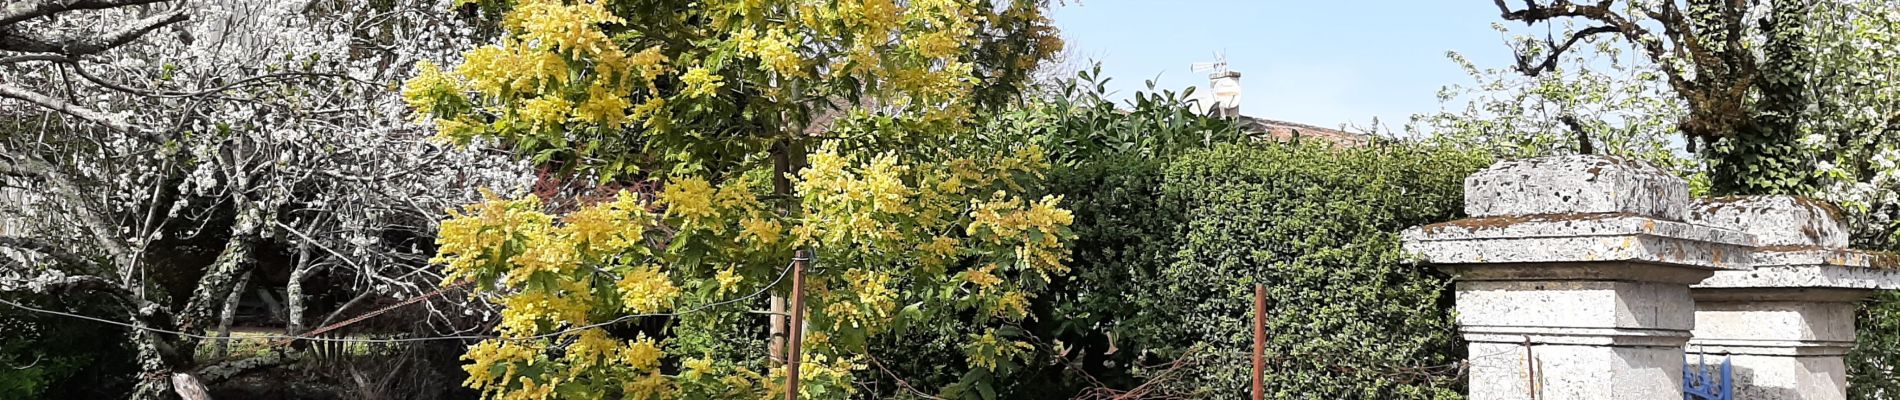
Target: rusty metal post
(797,328)
(1259,341)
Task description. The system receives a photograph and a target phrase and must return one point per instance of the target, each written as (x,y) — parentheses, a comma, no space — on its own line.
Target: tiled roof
(1283,130)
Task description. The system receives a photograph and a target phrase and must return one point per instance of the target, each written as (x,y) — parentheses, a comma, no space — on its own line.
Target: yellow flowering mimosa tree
(845,127)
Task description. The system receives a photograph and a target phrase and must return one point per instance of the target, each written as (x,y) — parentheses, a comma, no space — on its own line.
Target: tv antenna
(1218,67)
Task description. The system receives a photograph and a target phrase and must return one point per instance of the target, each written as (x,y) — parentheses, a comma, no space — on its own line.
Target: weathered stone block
(1787,378)
(1500,371)
(1576,184)
(1789,321)
(1804,277)
(1776,221)
(1587,304)
(1792,328)
(1579,238)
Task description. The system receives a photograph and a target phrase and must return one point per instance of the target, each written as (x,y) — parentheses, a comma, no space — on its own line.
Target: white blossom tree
(136,130)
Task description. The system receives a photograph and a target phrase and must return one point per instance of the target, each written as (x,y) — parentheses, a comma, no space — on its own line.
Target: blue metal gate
(1701,381)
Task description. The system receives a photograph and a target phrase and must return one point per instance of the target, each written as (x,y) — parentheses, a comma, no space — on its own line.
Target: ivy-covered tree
(735,133)
(1809,101)
(1741,69)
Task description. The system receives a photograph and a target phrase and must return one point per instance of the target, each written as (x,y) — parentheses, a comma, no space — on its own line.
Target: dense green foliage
(51,357)
(1319,227)
(1178,214)
(1870,372)
(1167,253)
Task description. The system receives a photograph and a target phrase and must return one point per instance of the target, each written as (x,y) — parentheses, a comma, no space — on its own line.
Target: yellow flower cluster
(873,19)
(506,355)
(646,290)
(603,107)
(572,29)
(478,232)
(775,50)
(546,111)
(689,197)
(728,280)
(988,351)
(701,82)
(591,348)
(820,376)
(574,71)
(557,66)
(760,230)
(431,90)
(641,354)
(544,251)
(501,70)
(938,251)
(550,280)
(528,310)
(609,227)
(866,303)
(1012,306)
(1037,229)
(855,205)
(650,386)
(983,277)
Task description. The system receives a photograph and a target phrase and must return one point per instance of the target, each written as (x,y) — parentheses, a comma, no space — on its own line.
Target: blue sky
(1316,62)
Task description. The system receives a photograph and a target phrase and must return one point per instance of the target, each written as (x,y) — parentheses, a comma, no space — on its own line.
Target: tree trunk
(271,305)
(223,347)
(157,358)
(154,369)
(216,285)
(293,291)
(188,387)
(1766,157)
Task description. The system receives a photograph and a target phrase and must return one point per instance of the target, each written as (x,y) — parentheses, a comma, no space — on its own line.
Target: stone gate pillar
(1787,322)
(1573,277)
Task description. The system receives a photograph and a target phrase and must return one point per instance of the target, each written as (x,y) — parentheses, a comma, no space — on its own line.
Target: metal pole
(797,327)
(1259,341)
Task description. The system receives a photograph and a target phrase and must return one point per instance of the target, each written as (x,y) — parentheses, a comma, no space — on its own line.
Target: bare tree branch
(86,45)
(1557,50)
(21,10)
(90,115)
(31,57)
(58,253)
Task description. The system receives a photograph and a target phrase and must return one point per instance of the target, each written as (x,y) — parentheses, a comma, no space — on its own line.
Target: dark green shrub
(1319,227)
(55,357)
(1871,373)
(1168,253)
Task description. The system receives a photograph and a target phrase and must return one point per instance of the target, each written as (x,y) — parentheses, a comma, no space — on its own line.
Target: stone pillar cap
(1579,238)
(1575,184)
(1784,222)
(1805,277)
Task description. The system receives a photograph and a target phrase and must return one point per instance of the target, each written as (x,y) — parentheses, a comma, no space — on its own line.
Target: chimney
(1226,86)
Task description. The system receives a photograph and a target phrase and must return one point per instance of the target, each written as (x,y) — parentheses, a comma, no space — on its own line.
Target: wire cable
(768,288)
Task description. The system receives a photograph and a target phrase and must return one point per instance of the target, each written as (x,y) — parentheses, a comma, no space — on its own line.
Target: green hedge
(1871,365)
(1168,253)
